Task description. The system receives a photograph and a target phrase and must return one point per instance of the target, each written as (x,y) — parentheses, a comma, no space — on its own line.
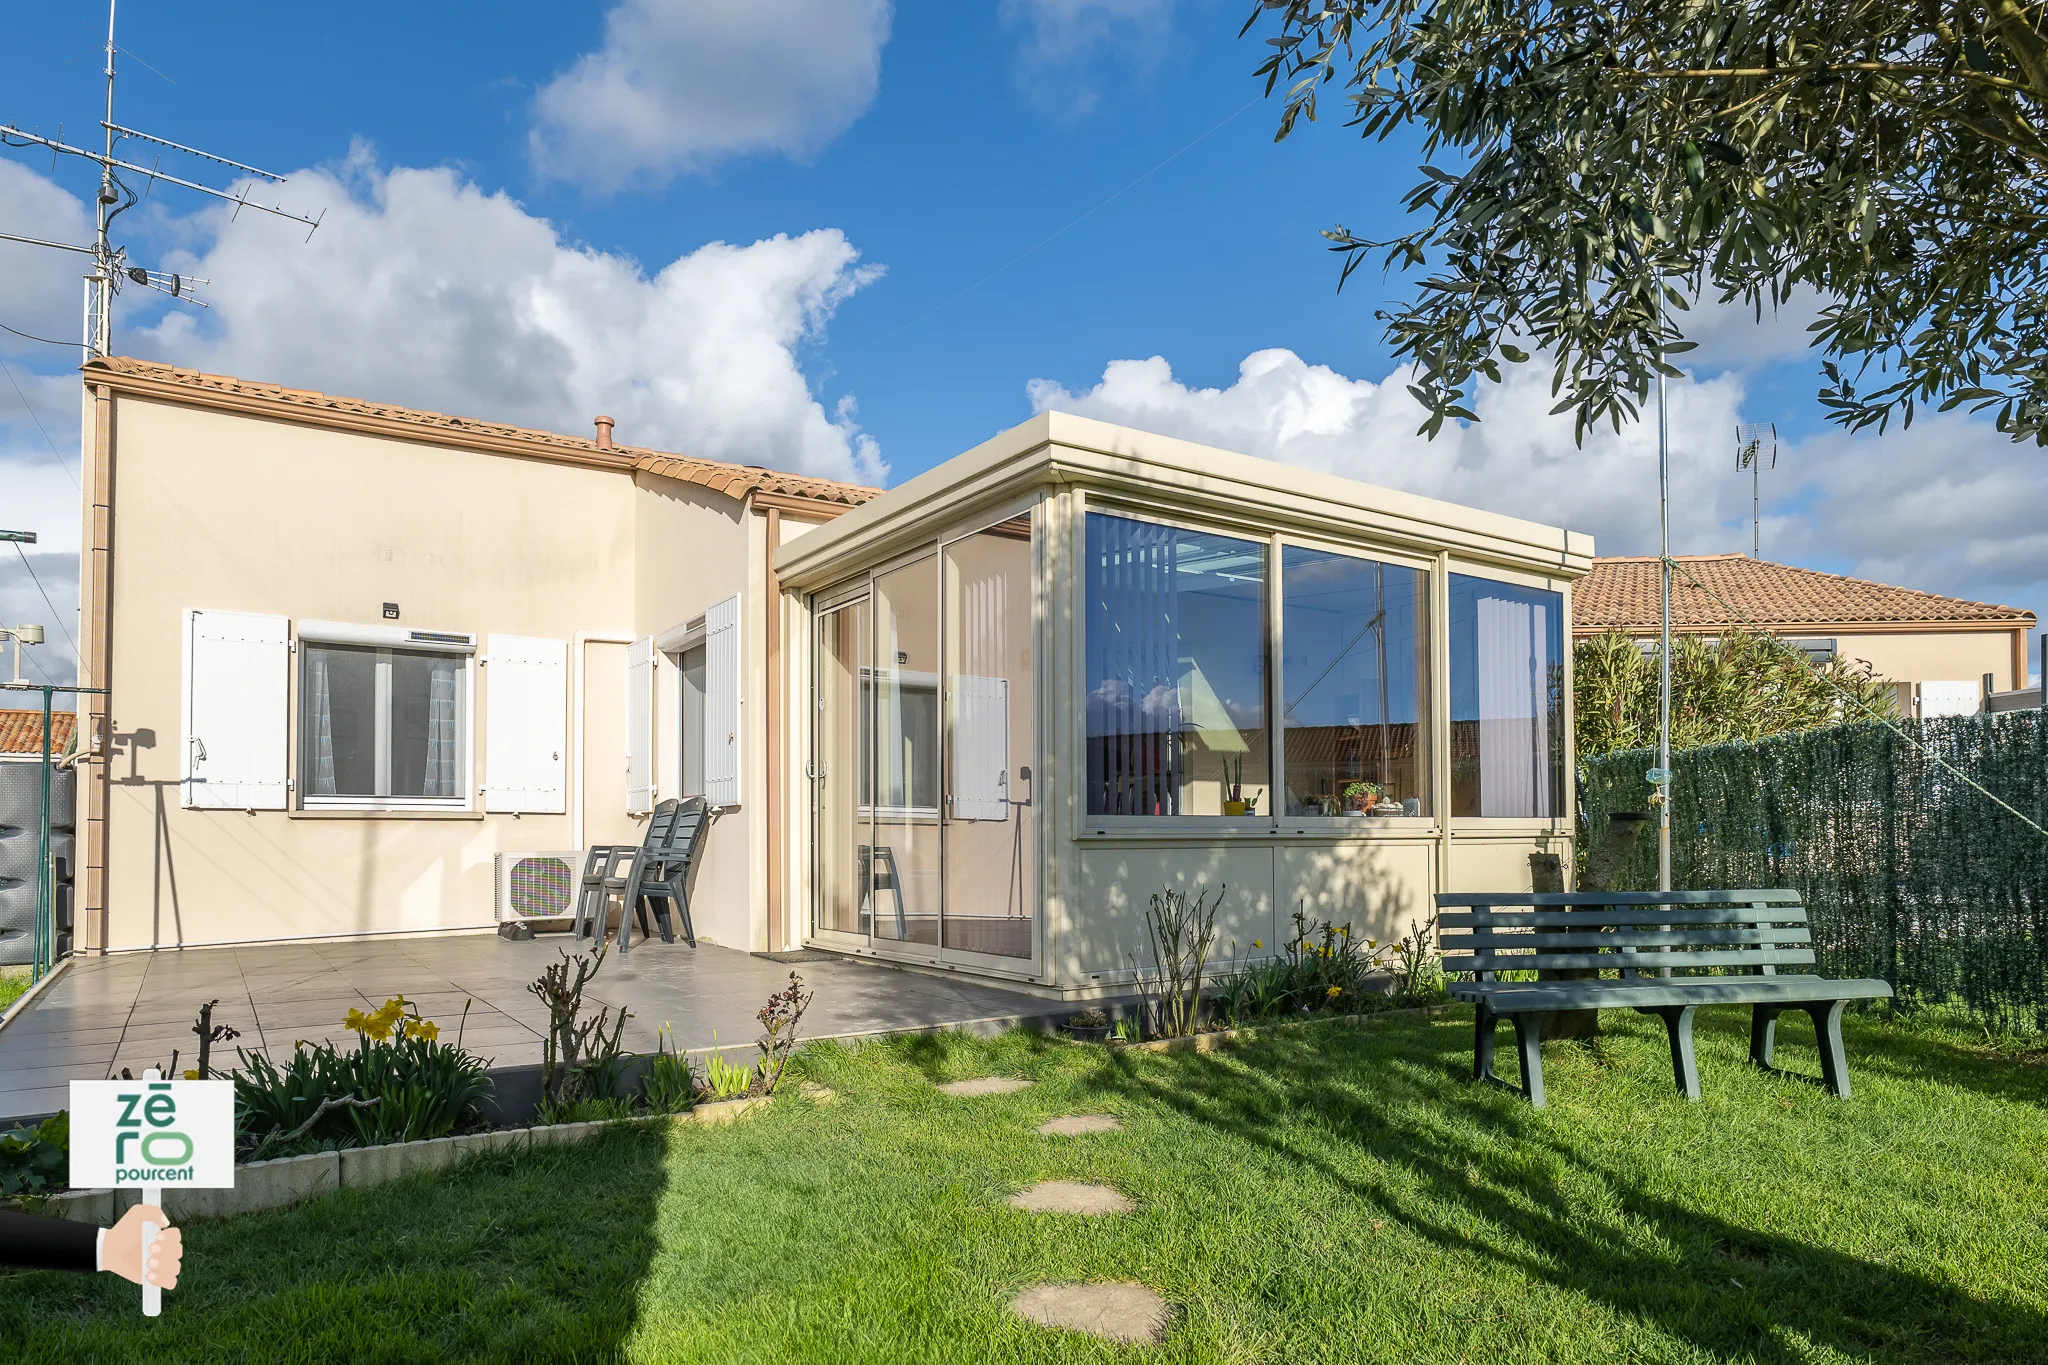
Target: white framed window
(385,718)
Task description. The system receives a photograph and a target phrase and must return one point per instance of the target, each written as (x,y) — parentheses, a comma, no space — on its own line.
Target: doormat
(800,955)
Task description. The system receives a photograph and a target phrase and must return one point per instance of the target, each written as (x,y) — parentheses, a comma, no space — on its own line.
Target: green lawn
(1327,1193)
(14,984)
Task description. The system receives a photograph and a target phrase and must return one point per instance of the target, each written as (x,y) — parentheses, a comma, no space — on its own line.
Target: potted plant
(1089,1026)
(1360,797)
(1236,803)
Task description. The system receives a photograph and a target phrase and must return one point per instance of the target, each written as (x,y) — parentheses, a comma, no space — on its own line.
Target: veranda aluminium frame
(1096,871)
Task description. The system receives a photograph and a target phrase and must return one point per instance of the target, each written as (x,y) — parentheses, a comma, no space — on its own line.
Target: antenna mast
(109,262)
(1750,454)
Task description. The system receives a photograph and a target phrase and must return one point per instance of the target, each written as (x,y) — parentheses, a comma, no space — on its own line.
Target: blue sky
(522,201)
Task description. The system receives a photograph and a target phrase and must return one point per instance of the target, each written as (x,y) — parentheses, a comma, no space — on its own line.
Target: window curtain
(1133,640)
(319,724)
(441,726)
(1514,709)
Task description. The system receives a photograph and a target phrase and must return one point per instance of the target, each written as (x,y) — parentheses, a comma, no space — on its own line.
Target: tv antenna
(1756,442)
(110,266)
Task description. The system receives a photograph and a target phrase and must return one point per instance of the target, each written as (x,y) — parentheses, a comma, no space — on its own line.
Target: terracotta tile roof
(21,732)
(168,381)
(1622,593)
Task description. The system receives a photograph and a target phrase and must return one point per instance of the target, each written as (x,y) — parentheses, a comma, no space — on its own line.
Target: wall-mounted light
(391,611)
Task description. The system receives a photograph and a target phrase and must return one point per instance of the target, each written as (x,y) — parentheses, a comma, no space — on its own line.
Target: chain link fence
(1908,873)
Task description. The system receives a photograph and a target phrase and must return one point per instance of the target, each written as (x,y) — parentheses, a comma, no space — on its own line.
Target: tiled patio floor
(130,1010)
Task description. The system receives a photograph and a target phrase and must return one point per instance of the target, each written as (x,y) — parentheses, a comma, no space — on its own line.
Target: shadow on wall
(1378,889)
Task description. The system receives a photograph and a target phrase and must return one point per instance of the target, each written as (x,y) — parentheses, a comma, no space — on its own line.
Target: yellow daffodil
(1344,929)
(1257,944)
(191,1074)
(1335,991)
(356,1022)
(427,1029)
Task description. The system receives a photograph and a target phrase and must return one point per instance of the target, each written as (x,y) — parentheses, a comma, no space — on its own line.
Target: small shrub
(1421,974)
(1323,968)
(723,1080)
(668,1086)
(399,1084)
(36,1160)
(1181,933)
(779,1018)
(579,1060)
(1089,1018)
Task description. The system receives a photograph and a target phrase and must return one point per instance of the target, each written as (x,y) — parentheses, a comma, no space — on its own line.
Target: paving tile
(19,1103)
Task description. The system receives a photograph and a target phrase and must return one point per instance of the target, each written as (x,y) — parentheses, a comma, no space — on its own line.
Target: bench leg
(1529,1043)
(1763,1034)
(682,899)
(1827,1035)
(1484,1022)
(1678,1025)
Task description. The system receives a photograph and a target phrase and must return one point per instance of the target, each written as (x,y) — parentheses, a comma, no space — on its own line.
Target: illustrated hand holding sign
(147,1134)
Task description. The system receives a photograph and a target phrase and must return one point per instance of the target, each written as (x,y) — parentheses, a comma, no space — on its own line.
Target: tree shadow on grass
(510,1257)
(1452,1153)
(952,1056)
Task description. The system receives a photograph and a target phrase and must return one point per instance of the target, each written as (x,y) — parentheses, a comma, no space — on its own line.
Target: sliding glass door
(924,734)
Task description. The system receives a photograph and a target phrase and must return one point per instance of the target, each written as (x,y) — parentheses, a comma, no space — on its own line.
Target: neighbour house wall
(1932,655)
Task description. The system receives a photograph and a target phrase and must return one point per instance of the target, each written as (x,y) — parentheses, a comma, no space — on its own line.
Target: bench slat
(1451,900)
(1628,938)
(1745,914)
(1641,962)
(1530,997)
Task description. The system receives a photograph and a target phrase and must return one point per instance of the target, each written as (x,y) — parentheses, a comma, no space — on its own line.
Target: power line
(1860,705)
(26,337)
(4,368)
(55,615)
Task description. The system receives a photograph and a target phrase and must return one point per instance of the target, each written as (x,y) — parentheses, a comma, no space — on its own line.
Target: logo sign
(179,1134)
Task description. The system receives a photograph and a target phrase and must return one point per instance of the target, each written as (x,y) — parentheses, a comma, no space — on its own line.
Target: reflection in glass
(841,769)
(1507,699)
(903,865)
(1175,676)
(382,722)
(991,814)
(1354,683)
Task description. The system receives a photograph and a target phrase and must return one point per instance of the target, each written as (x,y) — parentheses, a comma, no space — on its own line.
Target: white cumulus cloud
(419,288)
(1948,506)
(680,85)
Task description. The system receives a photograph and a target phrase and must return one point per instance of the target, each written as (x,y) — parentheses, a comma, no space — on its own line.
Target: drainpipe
(576,765)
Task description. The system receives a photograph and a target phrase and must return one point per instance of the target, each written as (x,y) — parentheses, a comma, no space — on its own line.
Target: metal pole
(100,341)
(46,881)
(1664,651)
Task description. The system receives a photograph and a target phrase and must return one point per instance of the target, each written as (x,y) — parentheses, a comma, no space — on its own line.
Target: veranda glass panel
(991,815)
(1507,699)
(840,768)
(903,894)
(1354,685)
(1175,670)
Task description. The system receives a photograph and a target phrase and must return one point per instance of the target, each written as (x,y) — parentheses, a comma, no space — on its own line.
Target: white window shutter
(237,690)
(722,663)
(526,688)
(981,748)
(640,726)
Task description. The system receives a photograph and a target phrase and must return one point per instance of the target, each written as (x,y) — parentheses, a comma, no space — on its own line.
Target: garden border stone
(285,1181)
(1209,1042)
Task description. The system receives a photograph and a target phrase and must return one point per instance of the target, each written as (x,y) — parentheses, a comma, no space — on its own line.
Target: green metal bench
(1741,937)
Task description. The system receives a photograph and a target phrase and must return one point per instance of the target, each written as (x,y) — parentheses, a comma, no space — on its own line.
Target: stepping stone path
(1070,1196)
(1078,1125)
(1127,1313)
(817,1094)
(984,1085)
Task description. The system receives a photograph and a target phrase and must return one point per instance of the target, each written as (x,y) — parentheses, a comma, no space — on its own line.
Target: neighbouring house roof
(1622,593)
(150,378)
(21,732)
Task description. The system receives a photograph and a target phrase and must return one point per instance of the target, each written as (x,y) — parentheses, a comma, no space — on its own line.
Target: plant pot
(1084,1033)
(1233,808)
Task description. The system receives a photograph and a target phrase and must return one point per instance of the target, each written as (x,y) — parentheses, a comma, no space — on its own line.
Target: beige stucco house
(369,668)
(1943,655)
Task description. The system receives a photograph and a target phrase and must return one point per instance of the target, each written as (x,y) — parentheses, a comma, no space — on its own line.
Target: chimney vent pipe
(604,433)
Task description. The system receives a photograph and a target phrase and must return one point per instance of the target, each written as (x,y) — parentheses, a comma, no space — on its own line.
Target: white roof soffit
(1142,467)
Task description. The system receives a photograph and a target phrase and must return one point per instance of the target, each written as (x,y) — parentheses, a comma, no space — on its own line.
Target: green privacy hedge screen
(1907,872)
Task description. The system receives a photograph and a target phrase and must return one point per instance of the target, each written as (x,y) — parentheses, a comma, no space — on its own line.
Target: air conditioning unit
(537,888)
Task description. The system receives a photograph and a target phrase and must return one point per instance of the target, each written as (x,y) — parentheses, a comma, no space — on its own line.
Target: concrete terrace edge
(28,996)
(277,1184)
